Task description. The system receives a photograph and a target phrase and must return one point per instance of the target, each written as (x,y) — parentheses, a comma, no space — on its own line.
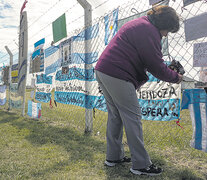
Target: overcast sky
(41,14)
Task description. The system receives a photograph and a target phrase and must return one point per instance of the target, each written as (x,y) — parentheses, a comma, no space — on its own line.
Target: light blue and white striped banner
(44,86)
(34,109)
(196,101)
(1,76)
(52,59)
(111,25)
(38,56)
(160,101)
(79,54)
(70,89)
(2,95)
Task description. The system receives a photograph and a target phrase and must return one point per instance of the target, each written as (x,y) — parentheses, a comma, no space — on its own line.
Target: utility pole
(87,23)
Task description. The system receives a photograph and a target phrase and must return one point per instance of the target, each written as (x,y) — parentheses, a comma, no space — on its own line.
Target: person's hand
(180,77)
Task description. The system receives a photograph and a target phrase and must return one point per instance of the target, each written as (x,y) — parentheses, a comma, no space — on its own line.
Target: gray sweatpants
(123,110)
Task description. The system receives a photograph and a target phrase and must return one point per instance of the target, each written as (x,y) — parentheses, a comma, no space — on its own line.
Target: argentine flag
(38,56)
(52,59)
(111,25)
(34,109)
(2,95)
(196,101)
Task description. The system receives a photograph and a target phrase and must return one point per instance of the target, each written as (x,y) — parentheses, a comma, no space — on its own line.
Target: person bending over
(121,70)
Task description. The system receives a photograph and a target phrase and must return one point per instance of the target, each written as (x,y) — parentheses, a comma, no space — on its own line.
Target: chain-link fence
(166,138)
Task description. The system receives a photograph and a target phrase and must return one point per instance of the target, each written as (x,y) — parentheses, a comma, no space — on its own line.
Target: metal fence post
(87,22)
(10,67)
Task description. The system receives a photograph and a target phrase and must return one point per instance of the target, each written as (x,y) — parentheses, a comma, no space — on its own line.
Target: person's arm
(151,56)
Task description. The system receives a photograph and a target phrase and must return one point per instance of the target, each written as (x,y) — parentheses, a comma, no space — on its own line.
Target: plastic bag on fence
(196,101)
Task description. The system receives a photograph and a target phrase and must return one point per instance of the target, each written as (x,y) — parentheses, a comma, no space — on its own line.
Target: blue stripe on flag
(29,111)
(33,112)
(191,96)
(2,88)
(88,33)
(51,50)
(79,58)
(3,92)
(40,42)
(198,126)
(2,101)
(111,25)
(36,53)
(53,67)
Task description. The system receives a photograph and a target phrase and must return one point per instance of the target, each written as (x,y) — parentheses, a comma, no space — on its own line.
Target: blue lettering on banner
(76,73)
(160,110)
(51,50)
(43,78)
(43,97)
(80,99)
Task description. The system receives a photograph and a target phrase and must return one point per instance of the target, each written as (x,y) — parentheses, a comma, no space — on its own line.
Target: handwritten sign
(44,87)
(200,54)
(159,100)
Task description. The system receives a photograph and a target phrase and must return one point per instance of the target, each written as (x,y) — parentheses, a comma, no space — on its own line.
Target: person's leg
(124,97)
(114,133)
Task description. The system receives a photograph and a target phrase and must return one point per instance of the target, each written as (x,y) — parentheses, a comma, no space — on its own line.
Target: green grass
(55,147)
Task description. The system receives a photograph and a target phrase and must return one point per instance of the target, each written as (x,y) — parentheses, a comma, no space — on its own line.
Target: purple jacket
(135,49)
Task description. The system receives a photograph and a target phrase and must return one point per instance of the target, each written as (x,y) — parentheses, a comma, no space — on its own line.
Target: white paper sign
(151,2)
(200,54)
(195,27)
(187,2)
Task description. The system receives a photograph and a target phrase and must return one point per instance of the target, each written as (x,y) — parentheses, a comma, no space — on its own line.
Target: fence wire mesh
(165,138)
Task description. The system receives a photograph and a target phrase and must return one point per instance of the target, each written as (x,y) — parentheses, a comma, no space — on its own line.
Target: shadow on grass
(83,148)
(80,147)
(7,116)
